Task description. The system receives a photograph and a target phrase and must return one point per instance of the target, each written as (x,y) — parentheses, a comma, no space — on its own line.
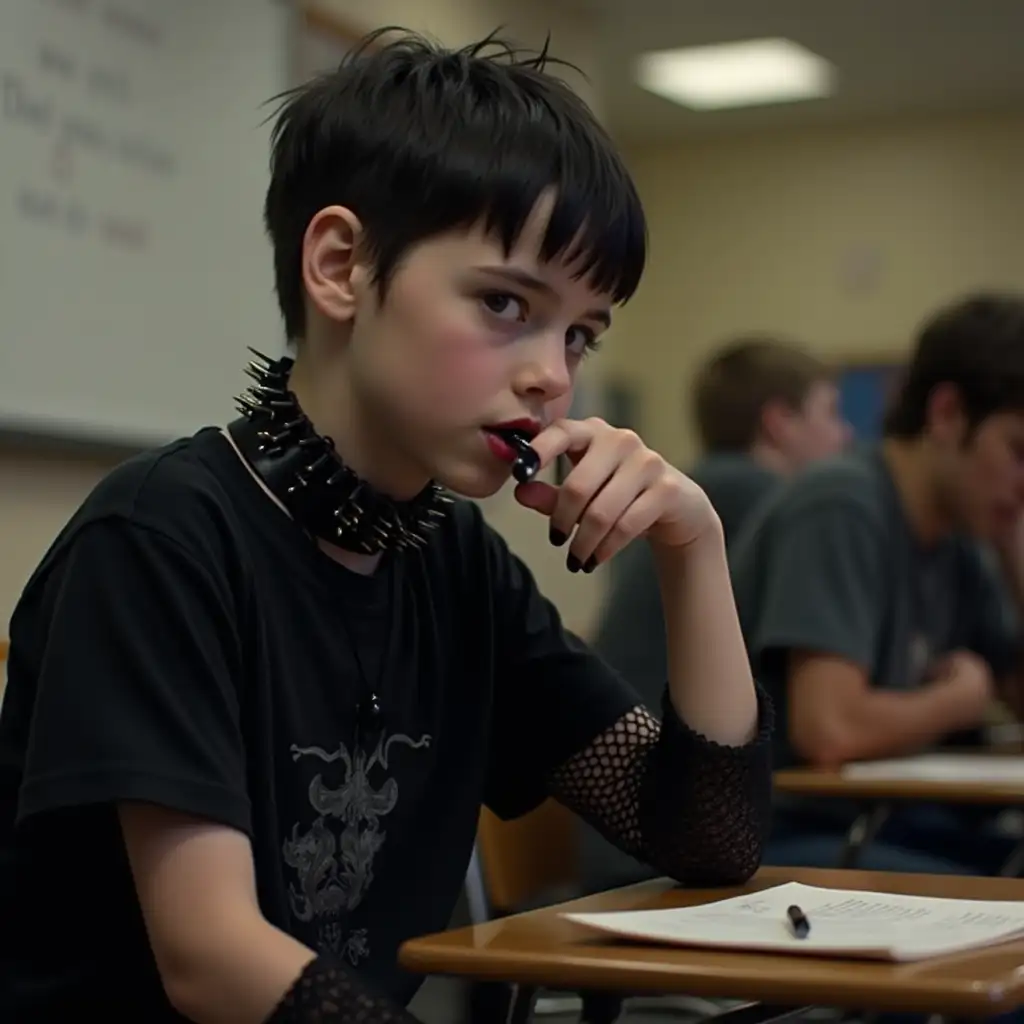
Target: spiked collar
(302,469)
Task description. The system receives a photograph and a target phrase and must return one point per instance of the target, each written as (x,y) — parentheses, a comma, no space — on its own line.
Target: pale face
(465,338)
(817,429)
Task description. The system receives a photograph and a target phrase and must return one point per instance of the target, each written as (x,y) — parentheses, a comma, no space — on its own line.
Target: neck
(908,464)
(769,457)
(361,443)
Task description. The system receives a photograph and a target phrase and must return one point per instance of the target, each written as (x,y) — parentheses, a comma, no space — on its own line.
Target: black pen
(798,922)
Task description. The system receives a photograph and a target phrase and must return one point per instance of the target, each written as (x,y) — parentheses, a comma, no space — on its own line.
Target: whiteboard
(134,270)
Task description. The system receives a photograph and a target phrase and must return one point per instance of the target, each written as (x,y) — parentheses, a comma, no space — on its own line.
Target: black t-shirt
(184,643)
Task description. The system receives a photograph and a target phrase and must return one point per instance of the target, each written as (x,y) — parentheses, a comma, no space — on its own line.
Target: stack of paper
(848,923)
(989,768)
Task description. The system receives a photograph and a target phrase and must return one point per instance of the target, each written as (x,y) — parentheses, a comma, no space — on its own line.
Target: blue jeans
(923,838)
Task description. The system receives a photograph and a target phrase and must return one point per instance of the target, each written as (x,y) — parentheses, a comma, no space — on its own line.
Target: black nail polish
(591,564)
(573,564)
(557,537)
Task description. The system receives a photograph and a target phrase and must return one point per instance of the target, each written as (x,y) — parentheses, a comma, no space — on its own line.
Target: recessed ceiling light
(749,73)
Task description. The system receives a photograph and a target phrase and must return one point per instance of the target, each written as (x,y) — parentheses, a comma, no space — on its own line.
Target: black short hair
(418,140)
(976,344)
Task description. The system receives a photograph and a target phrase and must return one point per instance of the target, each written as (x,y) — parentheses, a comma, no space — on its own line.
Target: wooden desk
(821,782)
(541,949)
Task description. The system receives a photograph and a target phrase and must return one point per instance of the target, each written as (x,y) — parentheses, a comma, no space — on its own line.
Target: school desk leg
(521,1006)
(862,832)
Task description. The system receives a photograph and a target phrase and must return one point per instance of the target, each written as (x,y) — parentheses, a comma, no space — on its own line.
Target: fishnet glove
(327,993)
(693,809)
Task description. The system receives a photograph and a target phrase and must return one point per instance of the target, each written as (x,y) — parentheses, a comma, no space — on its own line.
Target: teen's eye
(504,306)
(580,340)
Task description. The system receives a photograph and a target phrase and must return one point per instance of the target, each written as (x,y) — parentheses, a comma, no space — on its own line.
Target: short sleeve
(552,694)
(821,585)
(135,696)
(631,634)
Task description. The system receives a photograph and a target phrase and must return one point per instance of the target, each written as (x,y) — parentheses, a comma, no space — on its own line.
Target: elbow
(193,982)
(732,868)
(185,992)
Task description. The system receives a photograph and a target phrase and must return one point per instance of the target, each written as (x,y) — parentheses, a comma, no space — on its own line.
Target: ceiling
(893,58)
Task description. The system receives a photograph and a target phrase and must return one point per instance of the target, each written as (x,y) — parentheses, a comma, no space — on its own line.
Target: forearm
(887,724)
(253,973)
(710,684)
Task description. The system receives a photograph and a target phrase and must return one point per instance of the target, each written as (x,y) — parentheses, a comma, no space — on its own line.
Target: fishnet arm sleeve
(696,810)
(327,993)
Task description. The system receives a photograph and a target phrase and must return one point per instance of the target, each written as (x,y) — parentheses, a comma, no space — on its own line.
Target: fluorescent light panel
(743,74)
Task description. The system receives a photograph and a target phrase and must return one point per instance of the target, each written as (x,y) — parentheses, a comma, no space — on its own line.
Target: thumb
(537,495)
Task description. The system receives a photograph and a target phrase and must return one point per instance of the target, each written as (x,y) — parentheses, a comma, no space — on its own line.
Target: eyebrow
(525,279)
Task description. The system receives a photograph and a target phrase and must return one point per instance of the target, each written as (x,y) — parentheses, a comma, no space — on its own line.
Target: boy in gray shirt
(867,608)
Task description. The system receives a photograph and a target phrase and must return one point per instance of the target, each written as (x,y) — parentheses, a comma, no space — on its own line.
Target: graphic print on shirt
(333,859)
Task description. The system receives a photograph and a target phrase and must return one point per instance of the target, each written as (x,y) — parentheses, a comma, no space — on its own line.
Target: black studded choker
(304,472)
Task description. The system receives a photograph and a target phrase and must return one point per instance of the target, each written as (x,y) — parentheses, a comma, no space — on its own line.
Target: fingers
(607,498)
(607,506)
(583,484)
(622,511)
(569,437)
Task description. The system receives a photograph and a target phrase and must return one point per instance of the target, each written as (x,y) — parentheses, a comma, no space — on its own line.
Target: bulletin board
(866,387)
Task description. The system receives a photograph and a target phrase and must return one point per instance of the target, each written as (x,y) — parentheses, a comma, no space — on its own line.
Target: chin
(473,482)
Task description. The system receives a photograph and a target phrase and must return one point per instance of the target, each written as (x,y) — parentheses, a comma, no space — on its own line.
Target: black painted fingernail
(557,537)
(573,564)
(591,564)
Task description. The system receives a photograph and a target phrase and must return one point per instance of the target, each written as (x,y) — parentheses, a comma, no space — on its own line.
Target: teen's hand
(969,678)
(618,489)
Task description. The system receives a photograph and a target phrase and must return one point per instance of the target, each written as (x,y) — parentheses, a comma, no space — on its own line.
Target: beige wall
(38,495)
(843,238)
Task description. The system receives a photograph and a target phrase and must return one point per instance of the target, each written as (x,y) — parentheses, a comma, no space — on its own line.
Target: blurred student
(263,681)
(867,607)
(765,408)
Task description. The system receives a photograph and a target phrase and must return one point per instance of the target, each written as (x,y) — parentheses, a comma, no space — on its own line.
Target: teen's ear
(776,418)
(947,420)
(332,270)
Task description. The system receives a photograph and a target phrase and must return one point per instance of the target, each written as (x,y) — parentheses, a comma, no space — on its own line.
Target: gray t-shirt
(830,564)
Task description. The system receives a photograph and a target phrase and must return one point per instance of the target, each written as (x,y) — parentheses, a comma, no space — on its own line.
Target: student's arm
(709,678)
(137,707)
(221,962)
(565,724)
(835,715)
(219,959)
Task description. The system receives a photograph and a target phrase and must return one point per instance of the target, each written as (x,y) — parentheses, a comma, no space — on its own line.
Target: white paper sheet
(843,922)
(942,768)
